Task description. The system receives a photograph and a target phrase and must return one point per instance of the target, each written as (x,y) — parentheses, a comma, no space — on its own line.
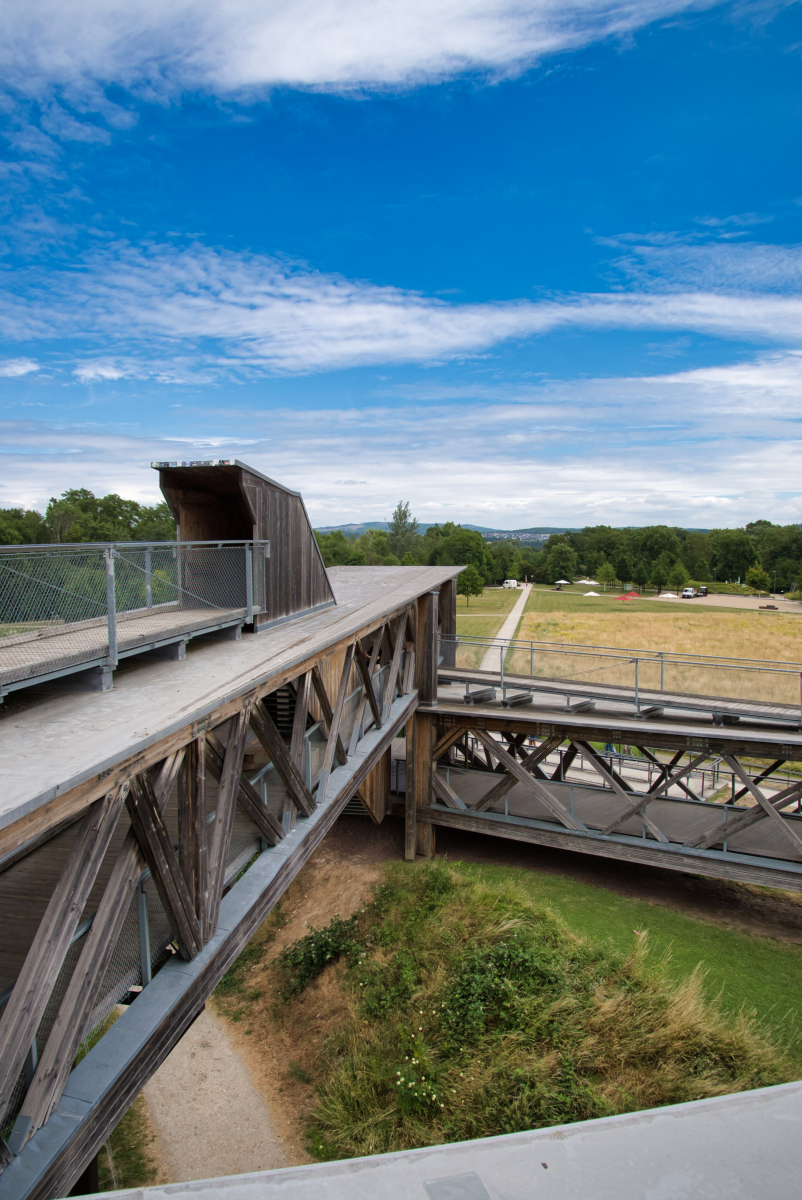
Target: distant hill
(538,533)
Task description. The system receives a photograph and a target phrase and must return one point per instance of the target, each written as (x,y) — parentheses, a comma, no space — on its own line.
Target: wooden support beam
(618,785)
(336,718)
(509,781)
(366,675)
(445,792)
(565,762)
(742,820)
(325,709)
(418,836)
(192,837)
(302,693)
(449,739)
(248,798)
(408,680)
(763,801)
(641,802)
(75,1012)
(265,729)
(426,648)
(398,649)
(775,766)
(157,848)
(35,982)
(224,819)
(665,782)
(358,732)
(523,776)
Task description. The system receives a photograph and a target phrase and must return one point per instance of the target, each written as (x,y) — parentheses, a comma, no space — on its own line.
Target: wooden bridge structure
(148,830)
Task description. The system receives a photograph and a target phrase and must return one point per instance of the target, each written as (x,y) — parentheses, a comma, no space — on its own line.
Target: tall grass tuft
(469,1011)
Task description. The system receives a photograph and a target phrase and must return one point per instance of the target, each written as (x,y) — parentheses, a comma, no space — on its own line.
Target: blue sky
(519,263)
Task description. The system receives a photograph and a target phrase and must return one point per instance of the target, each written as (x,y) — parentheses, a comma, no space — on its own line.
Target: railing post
(148,576)
(111,608)
(249,580)
(532,660)
(662,669)
(144,933)
(501,668)
(637,700)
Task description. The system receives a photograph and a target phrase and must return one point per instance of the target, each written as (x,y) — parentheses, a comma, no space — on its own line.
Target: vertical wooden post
(419,835)
(426,648)
(448,621)
(192,826)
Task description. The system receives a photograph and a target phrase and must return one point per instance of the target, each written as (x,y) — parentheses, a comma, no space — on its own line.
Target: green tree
(623,567)
(661,569)
(640,573)
(562,563)
(606,574)
(403,532)
(702,571)
(758,579)
(735,552)
(451,545)
(470,583)
(678,576)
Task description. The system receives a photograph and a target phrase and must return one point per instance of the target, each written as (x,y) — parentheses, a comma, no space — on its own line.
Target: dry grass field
(654,625)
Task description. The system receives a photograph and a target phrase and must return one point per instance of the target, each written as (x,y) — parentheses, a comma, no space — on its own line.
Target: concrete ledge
(742,1147)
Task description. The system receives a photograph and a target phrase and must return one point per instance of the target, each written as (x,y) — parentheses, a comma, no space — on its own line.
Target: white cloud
(195,314)
(236,46)
(713,447)
(14,368)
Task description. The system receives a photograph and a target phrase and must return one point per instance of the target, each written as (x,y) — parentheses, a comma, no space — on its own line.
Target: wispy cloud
(198,314)
(15,368)
(236,46)
(685,448)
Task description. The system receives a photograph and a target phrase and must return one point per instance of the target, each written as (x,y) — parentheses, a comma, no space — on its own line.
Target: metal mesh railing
(645,671)
(64,607)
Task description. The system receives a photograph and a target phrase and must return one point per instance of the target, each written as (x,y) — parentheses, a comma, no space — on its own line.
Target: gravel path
(490,662)
(209,1118)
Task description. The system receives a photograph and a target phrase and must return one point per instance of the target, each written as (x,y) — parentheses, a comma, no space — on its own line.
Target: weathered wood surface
(57,1159)
(84,744)
(40,970)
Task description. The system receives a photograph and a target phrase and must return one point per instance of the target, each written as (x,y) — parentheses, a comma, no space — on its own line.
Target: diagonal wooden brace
(326,712)
(336,718)
(157,848)
(522,775)
(248,798)
(764,802)
(75,1011)
(265,729)
(509,781)
(36,980)
(727,829)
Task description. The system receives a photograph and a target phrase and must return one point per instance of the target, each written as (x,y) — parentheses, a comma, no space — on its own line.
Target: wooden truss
(471,746)
(190,875)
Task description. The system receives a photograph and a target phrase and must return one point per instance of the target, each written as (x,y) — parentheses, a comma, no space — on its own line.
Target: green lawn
(746,970)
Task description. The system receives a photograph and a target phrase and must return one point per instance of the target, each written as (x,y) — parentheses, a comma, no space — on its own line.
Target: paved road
(754,603)
(490,661)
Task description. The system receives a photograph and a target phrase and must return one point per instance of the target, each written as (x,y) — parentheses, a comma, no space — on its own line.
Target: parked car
(508,583)
(702,591)
(689,593)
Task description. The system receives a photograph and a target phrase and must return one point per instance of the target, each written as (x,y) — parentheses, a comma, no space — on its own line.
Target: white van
(689,593)
(510,583)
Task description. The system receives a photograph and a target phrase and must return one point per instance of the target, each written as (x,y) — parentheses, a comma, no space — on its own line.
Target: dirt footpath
(208,1116)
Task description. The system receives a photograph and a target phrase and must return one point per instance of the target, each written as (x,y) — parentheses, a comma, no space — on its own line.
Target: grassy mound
(467,1011)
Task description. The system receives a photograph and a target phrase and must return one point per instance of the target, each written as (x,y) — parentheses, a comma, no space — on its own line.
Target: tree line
(80,516)
(652,555)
